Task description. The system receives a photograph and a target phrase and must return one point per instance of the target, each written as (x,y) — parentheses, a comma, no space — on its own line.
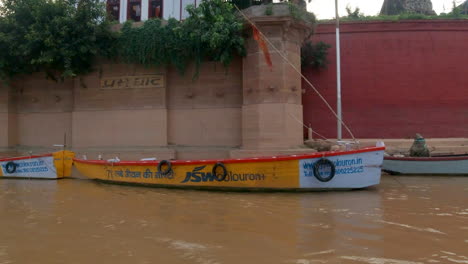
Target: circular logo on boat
(10,167)
(324,170)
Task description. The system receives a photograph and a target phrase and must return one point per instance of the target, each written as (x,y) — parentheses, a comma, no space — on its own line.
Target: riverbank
(438,146)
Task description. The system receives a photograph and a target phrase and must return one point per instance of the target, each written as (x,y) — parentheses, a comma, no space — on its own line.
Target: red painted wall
(398,79)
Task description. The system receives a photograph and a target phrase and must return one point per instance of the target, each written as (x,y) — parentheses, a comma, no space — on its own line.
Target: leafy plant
(315,55)
(300,13)
(458,12)
(269,10)
(301,3)
(64,37)
(59,37)
(213,31)
(353,15)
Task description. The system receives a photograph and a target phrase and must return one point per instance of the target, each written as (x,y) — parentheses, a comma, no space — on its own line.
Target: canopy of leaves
(353,15)
(456,14)
(59,37)
(64,37)
(213,31)
(460,11)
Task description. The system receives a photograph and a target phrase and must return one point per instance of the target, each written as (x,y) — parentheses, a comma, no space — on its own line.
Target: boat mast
(338,72)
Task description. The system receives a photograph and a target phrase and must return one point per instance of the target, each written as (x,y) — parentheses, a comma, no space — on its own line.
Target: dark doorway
(155,9)
(134,10)
(113,9)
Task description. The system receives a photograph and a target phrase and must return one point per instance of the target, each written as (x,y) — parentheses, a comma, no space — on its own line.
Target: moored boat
(47,166)
(436,165)
(352,169)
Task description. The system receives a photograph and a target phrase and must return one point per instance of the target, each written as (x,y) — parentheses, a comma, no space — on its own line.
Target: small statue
(419,147)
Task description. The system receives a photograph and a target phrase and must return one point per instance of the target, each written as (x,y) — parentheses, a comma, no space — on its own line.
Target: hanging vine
(63,38)
(212,32)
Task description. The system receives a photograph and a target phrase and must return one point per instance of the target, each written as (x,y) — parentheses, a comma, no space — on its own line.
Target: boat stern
(354,170)
(63,161)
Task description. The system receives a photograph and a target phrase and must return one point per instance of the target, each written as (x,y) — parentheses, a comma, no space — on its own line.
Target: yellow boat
(322,170)
(48,166)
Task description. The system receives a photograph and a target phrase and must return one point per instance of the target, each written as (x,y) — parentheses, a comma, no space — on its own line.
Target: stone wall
(131,111)
(96,120)
(398,79)
(122,116)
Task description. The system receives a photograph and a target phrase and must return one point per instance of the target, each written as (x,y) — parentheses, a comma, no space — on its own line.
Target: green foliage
(412,16)
(300,13)
(353,15)
(314,55)
(301,3)
(297,8)
(152,43)
(269,10)
(59,37)
(456,13)
(405,16)
(64,37)
(213,31)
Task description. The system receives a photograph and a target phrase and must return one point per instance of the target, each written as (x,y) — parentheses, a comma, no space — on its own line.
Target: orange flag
(263,46)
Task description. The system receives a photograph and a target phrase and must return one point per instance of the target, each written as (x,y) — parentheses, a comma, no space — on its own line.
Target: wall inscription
(132,82)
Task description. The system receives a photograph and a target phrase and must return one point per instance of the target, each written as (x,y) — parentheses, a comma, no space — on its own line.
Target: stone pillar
(272,106)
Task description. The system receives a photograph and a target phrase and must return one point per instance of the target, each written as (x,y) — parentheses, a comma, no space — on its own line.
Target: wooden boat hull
(449,165)
(353,169)
(48,166)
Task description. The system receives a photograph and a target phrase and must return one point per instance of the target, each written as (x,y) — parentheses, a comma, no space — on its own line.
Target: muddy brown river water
(404,220)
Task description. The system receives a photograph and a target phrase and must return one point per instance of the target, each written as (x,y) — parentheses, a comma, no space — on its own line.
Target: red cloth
(263,46)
